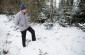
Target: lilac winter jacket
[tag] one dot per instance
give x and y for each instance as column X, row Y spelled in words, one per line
column 21, row 21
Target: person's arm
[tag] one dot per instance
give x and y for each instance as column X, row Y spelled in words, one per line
column 17, row 19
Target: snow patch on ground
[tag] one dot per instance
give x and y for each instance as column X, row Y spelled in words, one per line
column 56, row 41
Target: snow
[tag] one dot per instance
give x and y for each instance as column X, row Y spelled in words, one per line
column 55, row 41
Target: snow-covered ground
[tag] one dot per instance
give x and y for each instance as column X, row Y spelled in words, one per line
column 56, row 41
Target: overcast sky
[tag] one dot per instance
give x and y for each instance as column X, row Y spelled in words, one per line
column 57, row 3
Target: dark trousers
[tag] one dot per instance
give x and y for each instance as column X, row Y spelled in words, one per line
column 24, row 35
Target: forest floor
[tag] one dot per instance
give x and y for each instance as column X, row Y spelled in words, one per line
column 55, row 41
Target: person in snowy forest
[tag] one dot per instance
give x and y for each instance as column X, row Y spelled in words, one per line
column 22, row 22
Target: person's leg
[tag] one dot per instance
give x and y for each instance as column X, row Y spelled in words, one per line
column 32, row 33
column 23, row 38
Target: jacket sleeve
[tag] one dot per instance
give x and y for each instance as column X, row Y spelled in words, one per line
column 17, row 19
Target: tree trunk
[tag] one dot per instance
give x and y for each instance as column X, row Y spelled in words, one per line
column 51, row 13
